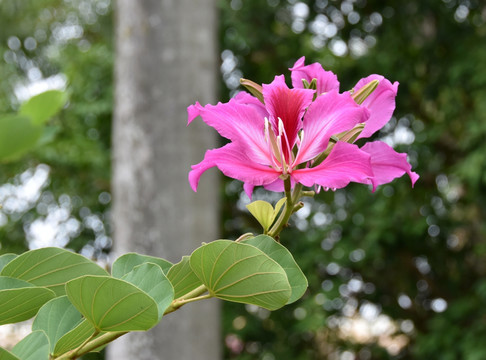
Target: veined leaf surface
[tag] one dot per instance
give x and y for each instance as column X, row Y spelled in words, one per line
column 34, row 346
column 72, row 339
column 279, row 253
column 5, row 259
column 150, row 278
column 241, row 273
column 182, row 277
column 7, row 355
column 20, row 300
column 112, row 304
column 56, row 318
column 50, row 267
column 125, row 263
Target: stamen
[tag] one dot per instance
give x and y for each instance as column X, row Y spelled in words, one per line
column 279, row 144
column 282, row 133
column 272, row 146
column 300, row 139
column 267, row 136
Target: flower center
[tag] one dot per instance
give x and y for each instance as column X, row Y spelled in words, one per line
column 280, row 152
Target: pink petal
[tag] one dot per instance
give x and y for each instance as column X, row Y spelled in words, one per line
column 326, row 80
column 242, row 124
column 234, row 163
column 248, row 189
column 331, row 113
column 245, row 98
column 345, row 163
column 278, row 185
column 381, row 103
column 387, row 164
column 193, row 111
column 286, row 104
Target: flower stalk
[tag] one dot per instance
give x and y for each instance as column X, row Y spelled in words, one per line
column 292, row 205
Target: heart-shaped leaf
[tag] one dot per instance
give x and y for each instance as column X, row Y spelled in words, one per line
column 56, row 318
column 125, row 263
column 150, row 278
column 112, row 304
column 241, row 273
column 264, row 212
column 182, row 277
column 34, row 346
column 278, row 252
column 50, row 267
column 20, row 300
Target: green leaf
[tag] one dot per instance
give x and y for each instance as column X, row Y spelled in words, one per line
column 278, row 206
column 125, row 263
column 7, row 355
column 50, row 267
column 241, row 273
column 264, row 212
column 34, row 346
column 75, row 337
column 5, row 259
column 278, row 252
column 150, row 278
column 20, row 300
column 17, row 136
column 112, row 304
column 56, row 318
column 42, row 107
column 182, row 277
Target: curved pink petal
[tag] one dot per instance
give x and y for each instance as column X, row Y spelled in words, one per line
column 345, row 163
column 193, row 111
column 233, row 162
column 278, row 185
column 326, row 80
column 380, row 103
column 331, row 113
column 248, row 188
column 247, row 99
column 286, row 104
column 242, row 124
column 387, row 164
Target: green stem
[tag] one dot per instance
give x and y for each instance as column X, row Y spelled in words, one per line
column 290, row 208
column 91, row 345
column 75, row 352
column 193, row 295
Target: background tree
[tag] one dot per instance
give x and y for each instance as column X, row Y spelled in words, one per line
column 166, row 59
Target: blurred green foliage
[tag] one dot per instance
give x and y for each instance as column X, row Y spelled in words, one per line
column 60, row 191
column 410, row 261
column 404, row 263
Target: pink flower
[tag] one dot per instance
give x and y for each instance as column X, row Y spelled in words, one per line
column 279, row 139
column 386, row 163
